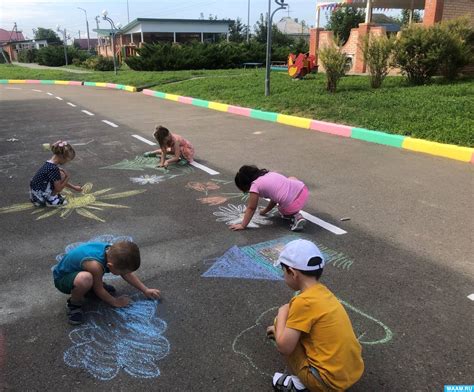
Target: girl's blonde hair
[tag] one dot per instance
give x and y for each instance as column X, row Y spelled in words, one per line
column 160, row 134
column 63, row 149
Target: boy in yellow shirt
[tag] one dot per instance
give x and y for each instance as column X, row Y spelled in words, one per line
column 313, row 331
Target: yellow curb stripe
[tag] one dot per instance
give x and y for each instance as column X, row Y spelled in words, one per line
column 444, row 150
column 222, row 107
column 15, row 81
column 294, row 121
column 172, row 97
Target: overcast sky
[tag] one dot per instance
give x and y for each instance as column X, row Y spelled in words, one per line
column 50, row 13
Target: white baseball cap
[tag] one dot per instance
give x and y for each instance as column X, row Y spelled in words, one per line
column 296, row 254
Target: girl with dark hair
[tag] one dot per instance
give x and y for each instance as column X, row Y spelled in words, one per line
column 289, row 193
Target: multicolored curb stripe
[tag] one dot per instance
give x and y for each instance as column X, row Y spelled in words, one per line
column 70, row 83
column 464, row 154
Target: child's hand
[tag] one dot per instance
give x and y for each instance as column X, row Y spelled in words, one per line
column 77, row 188
column 152, row 293
column 122, row 301
column 263, row 211
column 271, row 332
column 237, row 227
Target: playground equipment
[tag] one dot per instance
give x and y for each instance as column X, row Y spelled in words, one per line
column 301, row 65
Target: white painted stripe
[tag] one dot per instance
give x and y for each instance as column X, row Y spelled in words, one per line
column 87, row 112
column 38, row 91
column 50, row 93
column 471, row 297
column 12, row 88
column 144, row 140
column 71, row 104
column 325, row 225
column 59, row 98
column 110, row 123
column 204, row 168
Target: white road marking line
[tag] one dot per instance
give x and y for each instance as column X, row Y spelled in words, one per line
column 471, row 297
column 144, row 140
column 194, row 163
column 12, row 88
column 59, row 98
column 50, row 93
column 87, row 112
column 204, row 168
column 38, row 91
column 71, row 104
column 110, row 123
column 325, row 225
column 257, row 133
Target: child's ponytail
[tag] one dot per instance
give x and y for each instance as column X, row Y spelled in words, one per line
column 63, row 149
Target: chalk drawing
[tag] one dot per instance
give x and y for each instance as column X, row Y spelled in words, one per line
column 114, row 339
column 224, row 182
column 202, row 186
column 141, row 163
column 256, row 261
column 81, row 203
column 107, row 238
column 153, row 179
column 222, row 198
column 233, row 214
column 6, row 164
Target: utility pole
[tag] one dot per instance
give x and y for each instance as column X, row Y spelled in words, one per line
column 87, row 26
column 248, row 22
column 58, row 28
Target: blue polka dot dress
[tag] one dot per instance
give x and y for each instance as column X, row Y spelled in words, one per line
column 42, row 184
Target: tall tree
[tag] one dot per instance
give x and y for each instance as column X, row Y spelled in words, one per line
column 342, row 20
column 237, row 31
column 47, row 34
column 404, row 18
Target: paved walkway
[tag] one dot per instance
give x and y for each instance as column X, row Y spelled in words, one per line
column 37, row 66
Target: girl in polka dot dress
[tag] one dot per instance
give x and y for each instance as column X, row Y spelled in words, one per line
column 50, row 179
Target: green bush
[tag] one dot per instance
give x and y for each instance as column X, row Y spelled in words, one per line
column 99, row 63
column 2, row 59
column 377, row 51
column 52, row 56
column 27, row 55
column 334, row 63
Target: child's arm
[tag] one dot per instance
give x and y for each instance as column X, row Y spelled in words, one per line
column 163, row 157
column 268, row 208
column 97, row 272
column 249, row 211
column 64, row 183
column 177, row 154
column 133, row 279
column 286, row 338
column 76, row 188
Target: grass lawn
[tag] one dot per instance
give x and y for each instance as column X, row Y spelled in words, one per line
column 439, row 112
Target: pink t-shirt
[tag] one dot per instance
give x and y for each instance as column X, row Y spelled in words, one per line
column 278, row 188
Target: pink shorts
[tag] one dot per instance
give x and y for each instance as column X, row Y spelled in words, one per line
column 297, row 204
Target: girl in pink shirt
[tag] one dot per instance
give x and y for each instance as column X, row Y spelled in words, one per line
column 174, row 144
column 289, row 193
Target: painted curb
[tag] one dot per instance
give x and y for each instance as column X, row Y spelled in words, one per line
column 465, row 154
column 115, row 86
column 378, row 137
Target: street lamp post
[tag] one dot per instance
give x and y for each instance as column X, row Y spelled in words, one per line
column 282, row 5
column 87, row 25
column 58, row 29
column 105, row 17
column 248, row 22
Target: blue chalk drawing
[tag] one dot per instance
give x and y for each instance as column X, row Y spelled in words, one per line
column 129, row 339
column 108, row 238
column 256, row 261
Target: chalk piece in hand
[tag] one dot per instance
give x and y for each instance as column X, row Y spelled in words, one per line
column 345, row 219
column 46, row 146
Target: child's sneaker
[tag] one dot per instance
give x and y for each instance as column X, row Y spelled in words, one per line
column 298, row 222
column 287, row 383
column 56, row 201
column 74, row 313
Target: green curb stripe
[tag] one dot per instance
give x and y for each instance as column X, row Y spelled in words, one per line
column 378, row 137
column 120, row 86
column 3, row 81
column 47, row 81
column 267, row 116
column 159, row 94
column 200, row 102
column 89, row 84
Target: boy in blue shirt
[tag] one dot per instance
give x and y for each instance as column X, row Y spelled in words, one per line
column 81, row 270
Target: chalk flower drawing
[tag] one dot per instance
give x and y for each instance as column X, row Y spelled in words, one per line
column 153, row 179
column 141, row 163
column 202, row 186
column 81, row 203
column 213, row 200
column 129, row 339
column 233, row 214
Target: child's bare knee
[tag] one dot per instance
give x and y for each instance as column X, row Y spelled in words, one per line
column 84, row 279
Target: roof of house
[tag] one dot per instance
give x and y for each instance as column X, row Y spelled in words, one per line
column 137, row 21
column 15, row 36
column 290, row 26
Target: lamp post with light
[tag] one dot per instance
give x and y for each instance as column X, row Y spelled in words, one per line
column 87, row 25
column 114, row 29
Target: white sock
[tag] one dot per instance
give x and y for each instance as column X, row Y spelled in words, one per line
column 296, row 381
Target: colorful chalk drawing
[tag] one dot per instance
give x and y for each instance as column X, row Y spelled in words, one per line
column 222, row 198
column 107, row 238
column 245, row 342
column 256, row 261
column 81, row 203
column 153, row 179
column 140, row 163
column 202, row 186
column 233, row 214
column 114, row 339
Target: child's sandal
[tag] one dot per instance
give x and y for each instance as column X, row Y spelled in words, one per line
column 279, row 385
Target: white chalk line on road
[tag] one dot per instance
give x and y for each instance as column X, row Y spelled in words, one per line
column 208, row 170
column 110, row 123
column 59, row 98
column 87, row 112
column 71, row 104
column 471, row 297
column 50, row 93
column 12, row 88
column 36, row 91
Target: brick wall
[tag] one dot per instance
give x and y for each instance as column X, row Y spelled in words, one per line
column 456, row 8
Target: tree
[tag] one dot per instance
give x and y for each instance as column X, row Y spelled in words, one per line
column 260, row 35
column 404, row 18
column 237, row 31
column 343, row 20
column 49, row 35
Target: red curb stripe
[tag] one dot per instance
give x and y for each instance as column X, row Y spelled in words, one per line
column 332, row 128
column 31, row 81
column 187, row 100
column 239, row 110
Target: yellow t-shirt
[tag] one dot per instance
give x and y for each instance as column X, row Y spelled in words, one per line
column 327, row 336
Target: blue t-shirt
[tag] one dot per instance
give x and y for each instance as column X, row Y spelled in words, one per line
column 72, row 261
column 45, row 177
